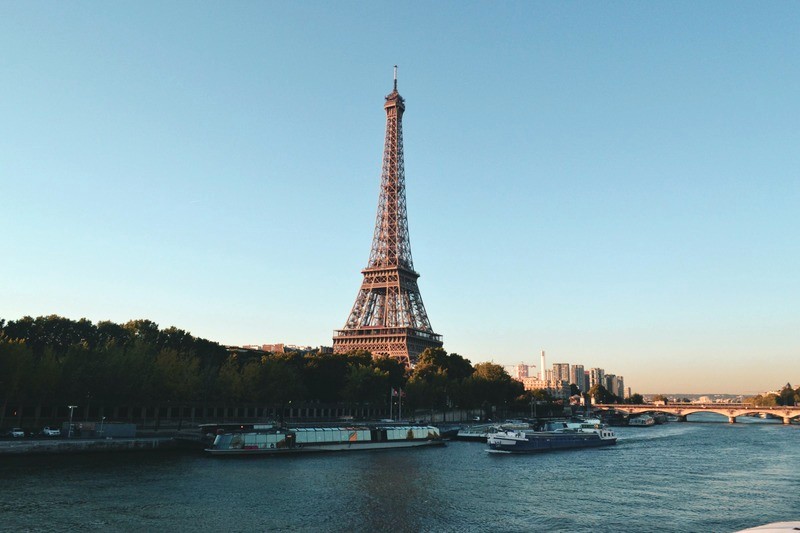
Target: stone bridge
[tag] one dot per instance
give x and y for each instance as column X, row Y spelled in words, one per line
column 681, row 410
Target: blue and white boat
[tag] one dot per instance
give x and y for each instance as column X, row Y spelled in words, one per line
column 512, row 441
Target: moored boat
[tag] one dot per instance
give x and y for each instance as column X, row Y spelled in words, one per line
column 541, row 441
column 279, row 441
column 480, row 432
column 476, row 433
column 642, row 421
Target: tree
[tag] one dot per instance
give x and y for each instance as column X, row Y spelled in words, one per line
column 427, row 389
column 16, row 365
column 492, row 384
column 395, row 370
column 660, row 398
column 767, row 400
column 282, row 380
column 601, row 395
column 787, row 395
column 434, row 360
column 325, row 376
column 178, row 376
column 635, row 399
column 143, row 329
column 365, row 384
column 229, row 382
column 439, row 380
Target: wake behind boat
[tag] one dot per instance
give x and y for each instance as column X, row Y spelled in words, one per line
column 586, row 436
column 279, row 441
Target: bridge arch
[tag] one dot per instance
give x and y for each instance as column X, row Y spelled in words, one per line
column 731, row 411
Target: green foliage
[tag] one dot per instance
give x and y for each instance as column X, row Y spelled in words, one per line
column 601, row 395
column 491, row 383
column 787, row 395
column 635, row 399
column 55, row 361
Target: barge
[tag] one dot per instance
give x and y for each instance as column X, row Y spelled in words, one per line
column 542, row 441
column 281, row 441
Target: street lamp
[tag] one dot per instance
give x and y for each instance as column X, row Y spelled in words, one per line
column 102, row 423
column 69, row 430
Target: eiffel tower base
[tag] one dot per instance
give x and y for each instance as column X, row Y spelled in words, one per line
column 403, row 344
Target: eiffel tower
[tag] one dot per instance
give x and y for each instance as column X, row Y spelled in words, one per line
column 388, row 317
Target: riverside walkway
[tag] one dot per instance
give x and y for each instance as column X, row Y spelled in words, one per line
column 731, row 410
column 77, row 445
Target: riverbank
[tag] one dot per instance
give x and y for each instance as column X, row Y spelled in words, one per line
column 70, row 446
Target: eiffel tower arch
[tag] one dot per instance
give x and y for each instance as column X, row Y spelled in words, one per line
column 388, row 317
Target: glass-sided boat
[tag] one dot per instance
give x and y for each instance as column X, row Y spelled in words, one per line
column 276, row 441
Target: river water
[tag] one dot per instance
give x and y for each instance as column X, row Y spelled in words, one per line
column 681, row 477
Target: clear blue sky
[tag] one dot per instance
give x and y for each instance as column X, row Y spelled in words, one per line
column 616, row 183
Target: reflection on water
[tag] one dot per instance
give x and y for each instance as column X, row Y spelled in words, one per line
column 675, row 477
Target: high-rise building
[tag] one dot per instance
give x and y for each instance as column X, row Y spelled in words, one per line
column 561, row 371
column 388, row 317
column 542, row 371
column 520, row 371
column 596, row 377
column 576, row 376
column 615, row 385
column 620, row 387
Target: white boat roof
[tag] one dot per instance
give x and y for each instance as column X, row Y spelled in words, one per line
column 776, row 527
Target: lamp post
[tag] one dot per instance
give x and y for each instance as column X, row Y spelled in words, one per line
column 102, row 423
column 69, row 429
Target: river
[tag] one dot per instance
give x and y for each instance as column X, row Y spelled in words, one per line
column 679, row 477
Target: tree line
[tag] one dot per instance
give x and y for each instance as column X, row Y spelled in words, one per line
column 55, row 361
column 786, row 396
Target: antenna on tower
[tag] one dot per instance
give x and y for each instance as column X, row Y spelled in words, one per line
column 395, row 77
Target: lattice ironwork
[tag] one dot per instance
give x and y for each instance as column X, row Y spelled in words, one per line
column 388, row 317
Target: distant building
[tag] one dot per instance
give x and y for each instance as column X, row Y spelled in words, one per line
column 520, row 371
column 608, row 382
column 615, row 385
column 597, row 377
column 274, row 348
column 558, row 389
column 281, row 348
column 561, row 371
column 577, row 376
column 567, row 373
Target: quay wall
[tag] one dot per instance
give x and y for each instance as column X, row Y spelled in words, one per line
column 67, row 446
